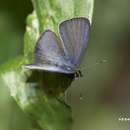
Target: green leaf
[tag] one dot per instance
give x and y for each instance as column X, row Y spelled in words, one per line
column 31, row 35
column 40, row 94
column 51, row 12
column 48, row 109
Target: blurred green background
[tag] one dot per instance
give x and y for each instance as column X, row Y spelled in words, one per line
column 103, row 94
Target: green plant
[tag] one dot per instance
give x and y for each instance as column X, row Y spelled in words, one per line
column 41, row 94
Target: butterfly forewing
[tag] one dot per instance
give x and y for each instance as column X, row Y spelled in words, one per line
column 75, row 34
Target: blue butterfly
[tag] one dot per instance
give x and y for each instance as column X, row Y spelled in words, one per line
column 62, row 54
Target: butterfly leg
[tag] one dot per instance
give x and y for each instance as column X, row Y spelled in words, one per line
column 78, row 74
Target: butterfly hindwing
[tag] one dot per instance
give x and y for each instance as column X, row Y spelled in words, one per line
column 50, row 55
column 49, row 49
